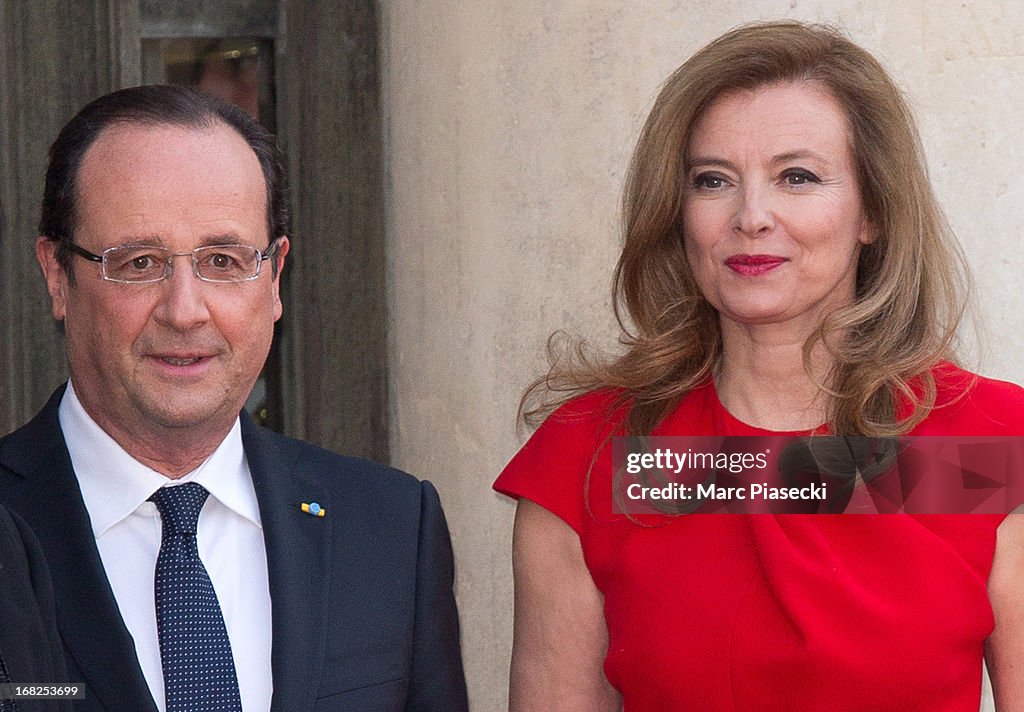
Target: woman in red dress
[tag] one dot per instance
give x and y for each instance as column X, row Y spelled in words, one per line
column 785, row 271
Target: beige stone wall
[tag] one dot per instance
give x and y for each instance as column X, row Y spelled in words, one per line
column 508, row 125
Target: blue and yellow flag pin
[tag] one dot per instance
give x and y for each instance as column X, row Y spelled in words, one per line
column 314, row 509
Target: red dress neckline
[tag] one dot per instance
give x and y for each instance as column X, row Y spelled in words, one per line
column 723, row 422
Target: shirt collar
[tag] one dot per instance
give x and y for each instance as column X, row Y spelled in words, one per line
column 114, row 484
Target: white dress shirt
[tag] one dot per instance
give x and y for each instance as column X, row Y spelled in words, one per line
column 116, row 489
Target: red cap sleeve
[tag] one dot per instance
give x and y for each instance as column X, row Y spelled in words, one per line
column 552, row 467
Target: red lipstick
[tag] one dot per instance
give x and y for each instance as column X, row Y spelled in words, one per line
column 753, row 265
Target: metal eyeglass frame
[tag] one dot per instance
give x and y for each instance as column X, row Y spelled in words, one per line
column 264, row 255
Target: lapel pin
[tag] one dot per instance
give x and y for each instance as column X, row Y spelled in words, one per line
column 314, row 509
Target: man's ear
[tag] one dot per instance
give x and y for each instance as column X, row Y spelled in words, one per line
column 282, row 250
column 53, row 273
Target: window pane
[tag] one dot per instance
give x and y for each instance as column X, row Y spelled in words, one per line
column 237, row 69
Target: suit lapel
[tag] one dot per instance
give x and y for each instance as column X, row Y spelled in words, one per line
column 49, row 499
column 298, row 565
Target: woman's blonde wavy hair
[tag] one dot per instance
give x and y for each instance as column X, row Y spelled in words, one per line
column 911, row 281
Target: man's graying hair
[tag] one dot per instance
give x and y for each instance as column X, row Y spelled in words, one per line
column 150, row 106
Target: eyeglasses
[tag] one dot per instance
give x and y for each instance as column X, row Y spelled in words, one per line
column 140, row 264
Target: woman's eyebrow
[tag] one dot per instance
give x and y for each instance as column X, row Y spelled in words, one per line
column 799, row 155
column 785, row 157
column 709, row 162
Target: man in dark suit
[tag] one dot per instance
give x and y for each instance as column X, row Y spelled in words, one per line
column 200, row 562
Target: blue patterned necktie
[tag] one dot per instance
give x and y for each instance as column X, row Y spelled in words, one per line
column 199, row 672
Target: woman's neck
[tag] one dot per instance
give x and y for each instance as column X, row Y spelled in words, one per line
column 762, row 380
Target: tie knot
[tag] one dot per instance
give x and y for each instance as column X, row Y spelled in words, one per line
column 179, row 507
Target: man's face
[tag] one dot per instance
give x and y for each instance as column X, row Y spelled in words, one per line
column 181, row 354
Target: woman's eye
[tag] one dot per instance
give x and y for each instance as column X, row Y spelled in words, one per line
column 709, row 181
column 800, row 178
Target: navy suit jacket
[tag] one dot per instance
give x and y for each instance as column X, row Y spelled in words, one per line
column 363, row 611
column 30, row 650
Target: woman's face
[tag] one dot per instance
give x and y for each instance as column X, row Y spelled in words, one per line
column 773, row 216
